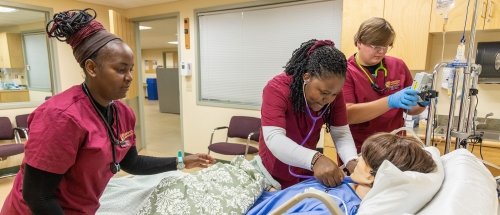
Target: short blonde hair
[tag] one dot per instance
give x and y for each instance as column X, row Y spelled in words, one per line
column 375, row 31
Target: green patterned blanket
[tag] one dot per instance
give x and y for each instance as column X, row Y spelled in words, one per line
column 219, row 189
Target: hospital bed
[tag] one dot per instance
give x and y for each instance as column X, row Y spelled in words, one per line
column 468, row 188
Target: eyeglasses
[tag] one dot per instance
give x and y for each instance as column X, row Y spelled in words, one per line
column 381, row 48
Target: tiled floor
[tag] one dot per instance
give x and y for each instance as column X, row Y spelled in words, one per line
column 163, row 131
column 162, row 137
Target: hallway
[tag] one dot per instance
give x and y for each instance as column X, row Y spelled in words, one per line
column 163, row 131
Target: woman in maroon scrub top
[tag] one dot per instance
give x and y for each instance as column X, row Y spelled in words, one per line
column 376, row 89
column 81, row 137
column 295, row 105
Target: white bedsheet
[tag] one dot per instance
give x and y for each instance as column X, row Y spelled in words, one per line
column 468, row 187
column 124, row 195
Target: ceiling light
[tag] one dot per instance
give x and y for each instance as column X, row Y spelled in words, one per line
column 173, row 42
column 142, row 27
column 6, row 9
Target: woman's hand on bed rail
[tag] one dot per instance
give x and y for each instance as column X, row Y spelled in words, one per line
column 198, row 160
column 327, row 172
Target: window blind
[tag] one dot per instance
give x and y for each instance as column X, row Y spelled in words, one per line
column 242, row 49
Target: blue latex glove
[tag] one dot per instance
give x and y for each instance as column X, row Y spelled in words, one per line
column 405, row 98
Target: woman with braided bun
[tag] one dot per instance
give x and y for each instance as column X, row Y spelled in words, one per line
column 295, row 105
column 83, row 136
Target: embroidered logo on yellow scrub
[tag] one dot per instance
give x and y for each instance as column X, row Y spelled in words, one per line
column 393, row 85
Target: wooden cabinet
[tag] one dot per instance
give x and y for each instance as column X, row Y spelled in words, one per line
column 354, row 12
column 491, row 15
column 410, row 20
column 11, row 51
column 456, row 17
column 14, row 96
column 488, row 16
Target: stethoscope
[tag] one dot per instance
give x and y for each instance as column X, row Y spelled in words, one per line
column 114, row 166
column 347, row 180
column 314, row 120
column 374, row 85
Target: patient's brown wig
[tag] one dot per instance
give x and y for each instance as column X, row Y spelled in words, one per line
column 406, row 153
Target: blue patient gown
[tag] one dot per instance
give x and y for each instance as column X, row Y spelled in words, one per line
column 269, row 201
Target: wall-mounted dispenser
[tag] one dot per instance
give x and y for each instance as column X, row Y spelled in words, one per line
column 185, row 68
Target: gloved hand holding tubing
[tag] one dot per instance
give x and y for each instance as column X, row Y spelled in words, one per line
column 405, row 98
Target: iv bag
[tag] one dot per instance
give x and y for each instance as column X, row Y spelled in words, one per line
column 444, row 6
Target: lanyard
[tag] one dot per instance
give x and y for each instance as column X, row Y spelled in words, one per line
column 314, row 120
column 374, row 85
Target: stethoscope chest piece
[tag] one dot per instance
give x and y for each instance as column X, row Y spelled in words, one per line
column 114, row 167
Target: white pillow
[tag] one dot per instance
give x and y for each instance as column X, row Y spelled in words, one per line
column 468, row 187
column 397, row 192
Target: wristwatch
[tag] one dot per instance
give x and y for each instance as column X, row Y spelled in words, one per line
column 180, row 160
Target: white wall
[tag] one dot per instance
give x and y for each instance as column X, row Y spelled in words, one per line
column 197, row 121
column 38, row 95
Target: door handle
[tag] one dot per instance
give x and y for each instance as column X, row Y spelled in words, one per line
column 483, row 13
column 490, row 9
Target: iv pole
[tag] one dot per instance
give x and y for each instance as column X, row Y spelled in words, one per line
column 464, row 128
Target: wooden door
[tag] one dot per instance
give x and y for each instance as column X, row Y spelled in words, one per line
column 124, row 28
column 4, row 51
column 410, row 20
column 11, row 51
column 15, row 50
column 353, row 14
